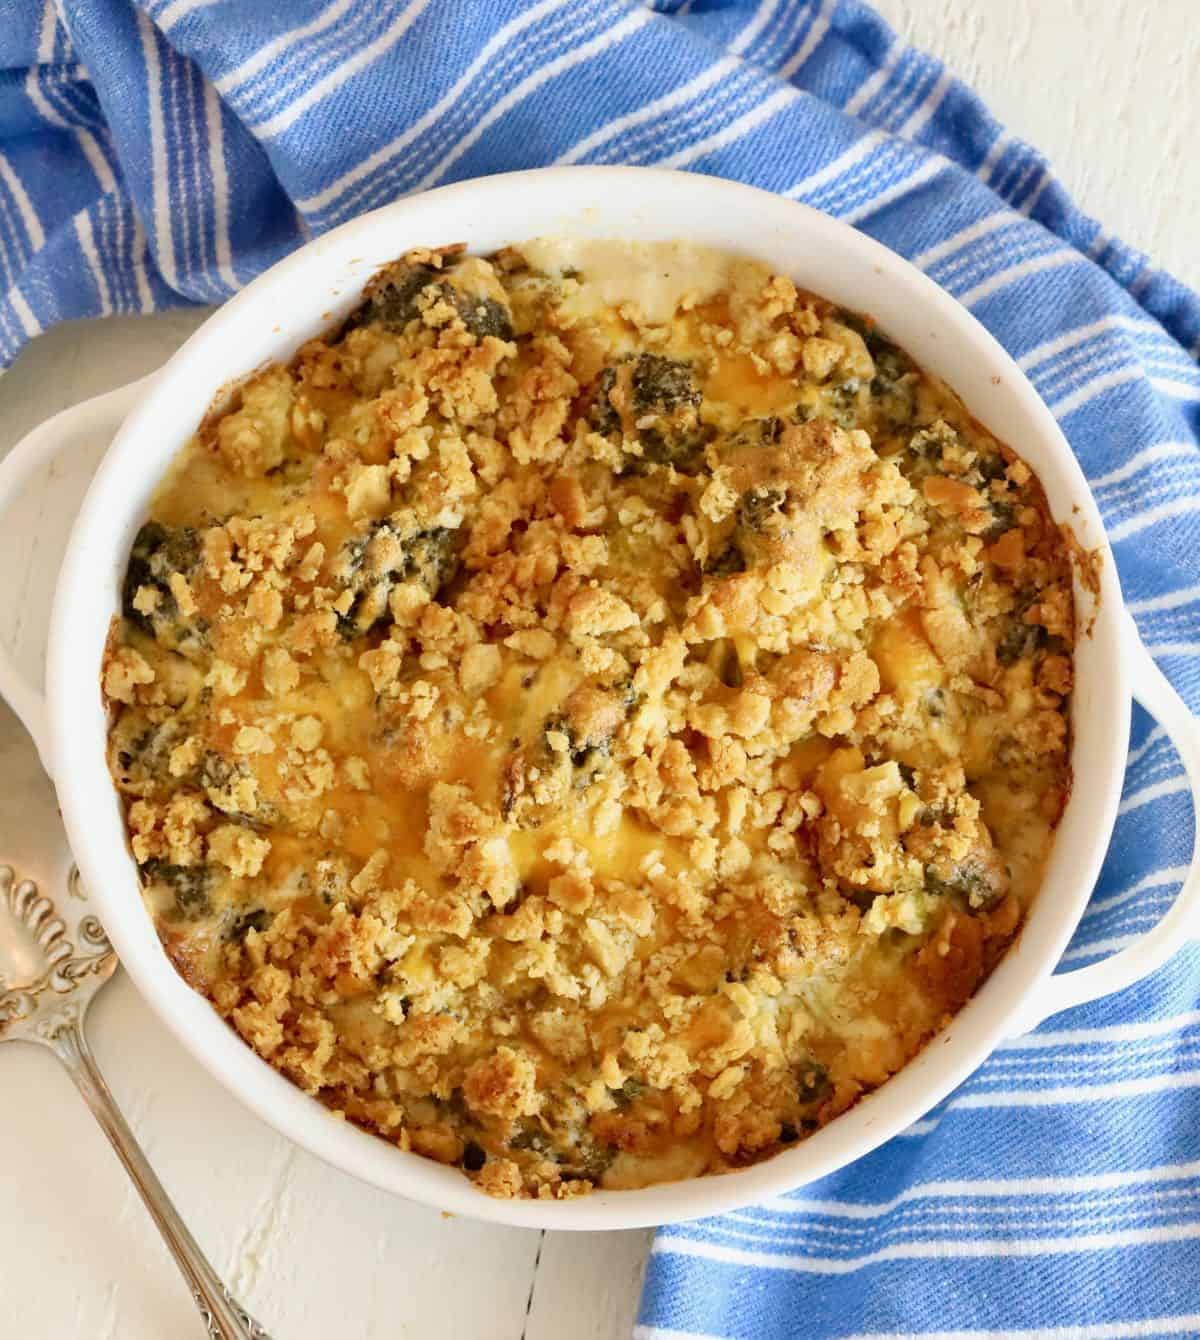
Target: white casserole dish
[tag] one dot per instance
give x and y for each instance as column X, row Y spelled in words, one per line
column 303, row 295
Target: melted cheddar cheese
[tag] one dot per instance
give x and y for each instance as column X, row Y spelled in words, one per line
column 593, row 715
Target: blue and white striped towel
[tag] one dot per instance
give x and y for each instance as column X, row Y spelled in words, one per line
column 167, row 151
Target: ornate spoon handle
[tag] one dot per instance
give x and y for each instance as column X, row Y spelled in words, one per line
column 225, row 1318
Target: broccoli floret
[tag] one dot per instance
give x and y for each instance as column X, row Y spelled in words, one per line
column 257, row 920
column 216, row 774
column 535, row 1138
column 894, row 385
column 370, row 565
column 812, row 1082
column 393, row 303
column 572, row 750
column 662, row 384
column 892, row 364
column 631, row 1089
column 844, row 398
column 1004, row 516
column 970, row 880
column 587, row 1159
column 923, row 453
column 589, row 735
column 158, row 552
column 660, row 387
column 594, row 1161
column 681, row 448
column 484, row 316
column 142, row 757
column 755, row 511
column 1020, row 639
column 396, row 301
column 431, row 557
column 729, row 561
column 758, row 506
column 757, row 432
column 190, row 885
column 992, row 466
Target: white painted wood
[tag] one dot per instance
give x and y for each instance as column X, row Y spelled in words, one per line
column 587, row 1285
column 1108, row 90
column 313, row 1253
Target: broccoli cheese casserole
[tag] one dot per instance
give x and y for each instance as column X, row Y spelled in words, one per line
column 593, row 715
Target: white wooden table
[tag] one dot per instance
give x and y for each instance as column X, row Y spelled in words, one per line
column 311, row 1252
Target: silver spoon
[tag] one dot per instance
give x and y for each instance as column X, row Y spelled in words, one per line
column 53, row 960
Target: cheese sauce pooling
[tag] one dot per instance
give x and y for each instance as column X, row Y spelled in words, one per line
column 595, row 714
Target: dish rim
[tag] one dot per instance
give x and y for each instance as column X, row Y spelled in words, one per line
column 582, row 199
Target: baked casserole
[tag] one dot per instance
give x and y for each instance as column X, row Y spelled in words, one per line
column 594, row 714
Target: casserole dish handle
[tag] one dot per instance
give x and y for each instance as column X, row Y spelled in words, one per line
column 1181, row 922
column 78, row 426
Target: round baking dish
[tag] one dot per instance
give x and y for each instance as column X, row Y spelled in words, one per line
column 303, row 295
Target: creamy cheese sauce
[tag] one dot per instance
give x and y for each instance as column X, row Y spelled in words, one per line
column 657, row 278
column 595, row 714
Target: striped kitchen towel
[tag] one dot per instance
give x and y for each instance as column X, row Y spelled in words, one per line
column 166, row 151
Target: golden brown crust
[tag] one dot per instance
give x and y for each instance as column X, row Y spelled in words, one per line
column 586, row 749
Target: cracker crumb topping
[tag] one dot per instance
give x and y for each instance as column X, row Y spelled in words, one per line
column 589, row 737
